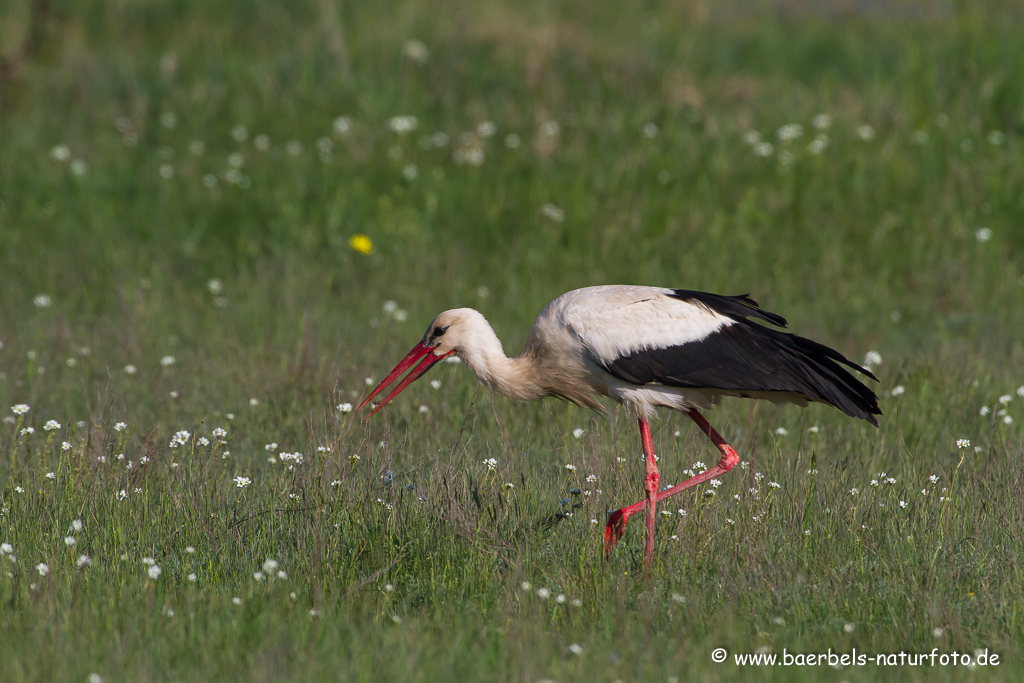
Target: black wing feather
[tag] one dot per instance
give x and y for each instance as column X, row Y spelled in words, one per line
column 749, row 357
column 736, row 307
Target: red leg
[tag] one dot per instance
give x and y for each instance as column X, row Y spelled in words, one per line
column 617, row 520
column 650, row 488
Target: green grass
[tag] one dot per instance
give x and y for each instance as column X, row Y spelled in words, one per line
column 110, row 208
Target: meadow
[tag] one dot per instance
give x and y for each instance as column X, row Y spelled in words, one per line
column 222, row 223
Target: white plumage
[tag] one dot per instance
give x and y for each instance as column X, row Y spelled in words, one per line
column 616, row 320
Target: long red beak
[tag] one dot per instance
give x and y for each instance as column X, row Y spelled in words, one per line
column 418, row 351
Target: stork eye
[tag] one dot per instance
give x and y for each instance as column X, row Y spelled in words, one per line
column 438, row 331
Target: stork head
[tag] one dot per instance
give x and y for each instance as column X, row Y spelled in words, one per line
column 457, row 331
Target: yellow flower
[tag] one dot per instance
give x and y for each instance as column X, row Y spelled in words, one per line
column 361, row 243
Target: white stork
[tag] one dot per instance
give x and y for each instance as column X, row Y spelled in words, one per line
column 646, row 347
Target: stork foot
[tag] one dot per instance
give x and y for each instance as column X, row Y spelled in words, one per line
column 613, row 531
column 616, row 526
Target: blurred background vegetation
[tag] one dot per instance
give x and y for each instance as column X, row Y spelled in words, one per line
column 159, row 145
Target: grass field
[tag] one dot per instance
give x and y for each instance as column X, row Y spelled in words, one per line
column 186, row 308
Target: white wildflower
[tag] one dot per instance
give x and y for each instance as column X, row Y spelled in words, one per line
column 60, row 153
column 403, row 124
column 818, row 144
column 554, row 213
column 180, row 438
column 342, row 125
column 550, row 128
column 789, row 132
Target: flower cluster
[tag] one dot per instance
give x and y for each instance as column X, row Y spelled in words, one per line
column 180, row 438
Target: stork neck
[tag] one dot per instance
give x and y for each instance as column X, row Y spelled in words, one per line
column 512, row 377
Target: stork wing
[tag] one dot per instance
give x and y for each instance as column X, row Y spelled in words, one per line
column 683, row 338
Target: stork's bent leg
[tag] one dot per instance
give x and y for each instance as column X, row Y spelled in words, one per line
column 729, row 458
column 617, row 520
